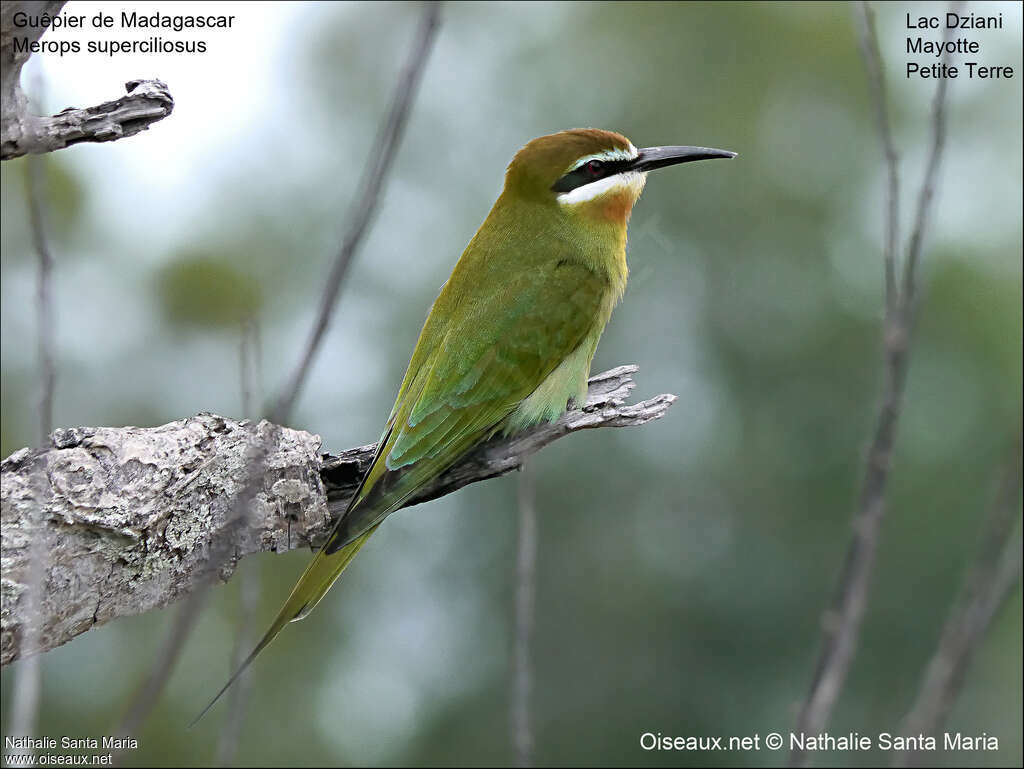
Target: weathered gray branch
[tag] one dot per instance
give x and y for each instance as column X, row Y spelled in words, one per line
column 133, row 514
column 22, row 133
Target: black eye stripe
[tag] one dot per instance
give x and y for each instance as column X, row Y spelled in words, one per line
column 585, row 175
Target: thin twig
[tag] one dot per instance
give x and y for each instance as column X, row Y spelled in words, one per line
column 868, row 40
column 28, row 682
column 378, row 163
column 44, row 295
column 996, row 571
column 843, row 620
column 256, row 347
column 526, row 588
column 928, row 185
column 238, row 696
column 231, row 732
column 145, row 699
column 248, row 357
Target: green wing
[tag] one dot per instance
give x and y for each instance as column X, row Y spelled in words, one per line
column 467, row 374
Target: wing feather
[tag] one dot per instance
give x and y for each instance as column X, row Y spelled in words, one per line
column 496, row 348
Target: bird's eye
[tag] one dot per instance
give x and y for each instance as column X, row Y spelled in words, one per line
column 595, row 167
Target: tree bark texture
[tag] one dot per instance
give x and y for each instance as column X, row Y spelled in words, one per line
column 132, row 517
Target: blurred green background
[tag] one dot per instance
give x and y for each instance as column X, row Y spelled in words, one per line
column 683, row 567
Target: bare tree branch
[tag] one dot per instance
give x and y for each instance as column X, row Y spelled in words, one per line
column 28, row 681
column 868, row 40
column 378, row 163
column 15, row 122
column 145, row 698
column 245, row 633
column 248, row 355
column 221, row 551
column 135, row 512
column 44, row 296
column 238, row 695
column 145, row 102
column 526, row 588
column 22, row 133
column 842, row 622
column 992, row 578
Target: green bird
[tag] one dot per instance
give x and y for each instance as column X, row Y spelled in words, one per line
column 509, row 340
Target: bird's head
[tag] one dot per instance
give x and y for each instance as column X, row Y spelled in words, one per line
column 591, row 172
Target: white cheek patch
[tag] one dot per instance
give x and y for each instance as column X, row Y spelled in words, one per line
column 632, row 181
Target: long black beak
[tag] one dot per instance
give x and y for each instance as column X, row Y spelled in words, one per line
column 659, row 157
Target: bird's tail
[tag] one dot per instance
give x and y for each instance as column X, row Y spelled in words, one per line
column 314, row 583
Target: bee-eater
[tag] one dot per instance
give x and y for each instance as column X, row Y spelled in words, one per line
column 509, row 340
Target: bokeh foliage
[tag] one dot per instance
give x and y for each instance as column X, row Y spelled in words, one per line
column 684, row 566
